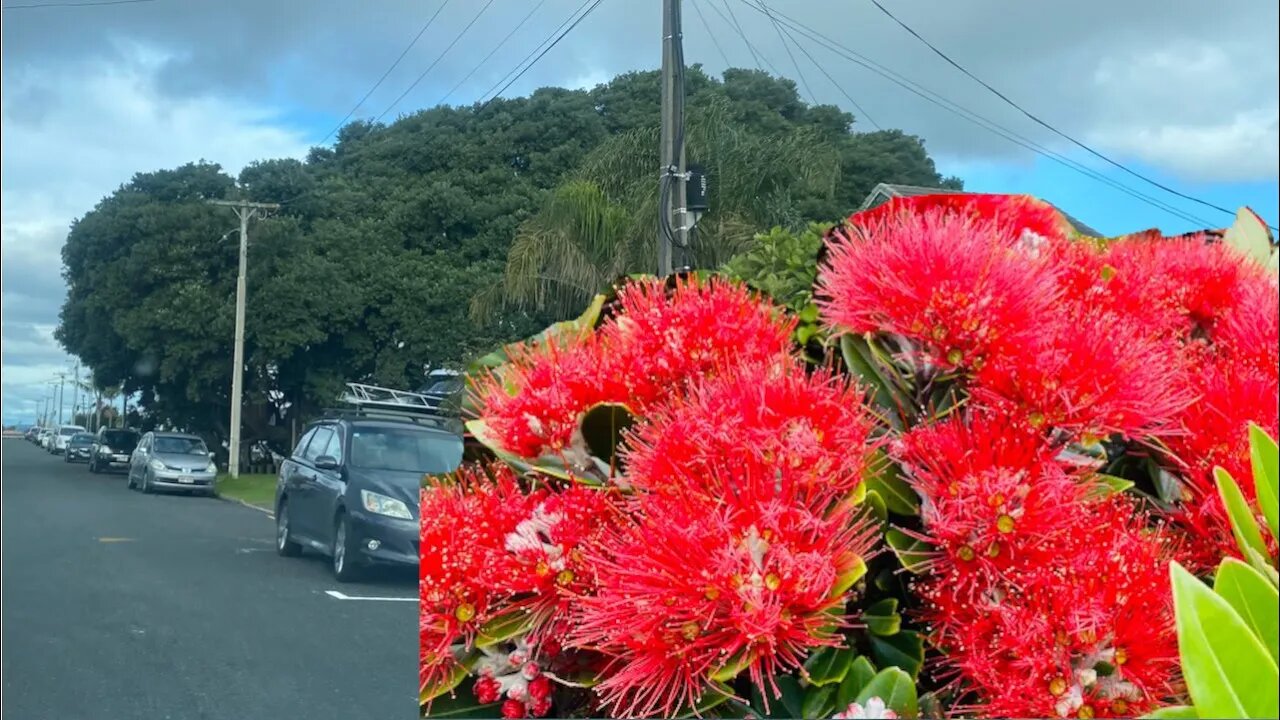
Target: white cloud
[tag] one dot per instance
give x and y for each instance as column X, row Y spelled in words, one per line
column 73, row 133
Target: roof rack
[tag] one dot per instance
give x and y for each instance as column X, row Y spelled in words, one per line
column 374, row 402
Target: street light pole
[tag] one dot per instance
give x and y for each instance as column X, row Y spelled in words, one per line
column 672, row 228
column 245, row 211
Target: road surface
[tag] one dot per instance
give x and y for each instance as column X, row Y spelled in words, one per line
column 122, row 605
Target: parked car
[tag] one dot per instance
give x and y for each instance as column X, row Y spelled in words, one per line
column 349, row 490
column 79, row 448
column 31, row 433
column 58, row 438
column 112, row 448
column 44, row 438
column 172, row 461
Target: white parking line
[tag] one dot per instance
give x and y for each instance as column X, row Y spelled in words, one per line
column 341, row 596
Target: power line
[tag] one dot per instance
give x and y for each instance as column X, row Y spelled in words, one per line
column 535, row 49
column 970, row 116
column 778, row 28
column 707, row 26
column 439, row 57
column 732, row 20
column 378, row 84
column 496, row 48
column 555, row 42
column 861, row 112
column 1034, row 118
column 99, row 3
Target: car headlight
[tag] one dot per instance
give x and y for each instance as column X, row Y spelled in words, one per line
column 213, row 468
column 383, row 505
column 157, row 465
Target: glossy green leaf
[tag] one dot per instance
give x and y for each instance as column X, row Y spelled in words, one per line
column 809, row 314
column 874, row 506
column 860, row 673
column 883, row 478
column 1173, row 712
column 857, row 357
column 912, row 553
column 788, row 704
column 1104, row 486
column 429, row 692
column 819, row 702
column 882, row 618
column 847, row 579
column 828, row 666
column 711, row 698
column 602, row 427
column 734, row 665
column 904, row 650
column 1263, row 565
column 895, row 688
column 503, row 628
column 1243, row 526
column 1224, row 665
column 1266, row 474
column 1254, row 599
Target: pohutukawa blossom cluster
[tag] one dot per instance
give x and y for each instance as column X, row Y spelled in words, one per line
column 969, row 508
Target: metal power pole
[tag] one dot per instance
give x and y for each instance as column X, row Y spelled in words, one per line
column 671, row 188
column 75, row 393
column 62, row 388
column 245, row 211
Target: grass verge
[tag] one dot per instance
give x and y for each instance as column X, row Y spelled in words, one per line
column 259, row 490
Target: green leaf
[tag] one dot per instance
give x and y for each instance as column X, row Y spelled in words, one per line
column 1243, row 526
column 1266, row 474
column 883, row 478
column 428, row 693
column 1260, row 563
column 789, row 704
column 827, row 666
column 1104, row 486
column 1173, row 712
column 860, row 673
column 809, row 314
column 503, row 628
column 857, row 356
column 912, row 553
column 712, row 697
column 818, row 702
column 882, row 618
column 1224, row 665
column 903, row 650
column 602, row 427
column 1249, row 235
column 734, row 665
column 1254, row 598
column 848, row 578
column 895, row 688
column 873, row 505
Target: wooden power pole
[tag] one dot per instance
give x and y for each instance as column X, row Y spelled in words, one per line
column 672, row 231
column 246, row 211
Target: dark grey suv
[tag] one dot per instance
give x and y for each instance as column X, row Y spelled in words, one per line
column 350, row 488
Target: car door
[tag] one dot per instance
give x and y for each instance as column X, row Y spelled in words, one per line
column 292, row 472
column 138, row 460
column 330, row 484
column 308, row 510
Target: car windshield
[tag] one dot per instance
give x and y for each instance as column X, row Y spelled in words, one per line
column 180, row 446
column 404, row 450
column 121, row 440
column 81, row 439
column 69, row 431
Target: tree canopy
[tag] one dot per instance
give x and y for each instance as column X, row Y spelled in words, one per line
column 383, row 243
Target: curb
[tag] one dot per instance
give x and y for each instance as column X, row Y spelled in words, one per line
column 259, row 508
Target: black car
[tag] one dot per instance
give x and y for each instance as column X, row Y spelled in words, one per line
column 79, row 448
column 350, row 488
column 112, row 449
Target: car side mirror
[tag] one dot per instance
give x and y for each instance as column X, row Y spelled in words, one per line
column 327, row 462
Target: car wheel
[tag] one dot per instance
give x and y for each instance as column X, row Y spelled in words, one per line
column 129, row 477
column 146, row 483
column 285, row 545
column 93, row 465
column 345, row 562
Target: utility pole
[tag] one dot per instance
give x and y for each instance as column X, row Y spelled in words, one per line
column 671, row 188
column 62, row 389
column 245, row 210
column 75, row 393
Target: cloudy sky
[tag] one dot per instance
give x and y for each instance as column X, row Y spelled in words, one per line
column 1182, row 92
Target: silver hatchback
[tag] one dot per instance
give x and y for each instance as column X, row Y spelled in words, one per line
column 172, row 461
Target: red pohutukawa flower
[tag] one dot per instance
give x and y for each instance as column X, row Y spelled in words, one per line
column 762, row 423
column 1018, row 217
column 689, row 589
column 951, row 283
column 641, row 357
column 1249, row 331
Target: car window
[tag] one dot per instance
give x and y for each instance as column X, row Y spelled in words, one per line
column 302, row 443
column 180, row 446
column 122, row 440
column 334, row 448
column 405, row 450
column 319, row 442
column 82, row 438
column 69, row 431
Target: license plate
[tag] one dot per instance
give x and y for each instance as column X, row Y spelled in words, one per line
column 186, row 480
column 122, row 458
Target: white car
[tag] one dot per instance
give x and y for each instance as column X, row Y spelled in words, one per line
column 58, row 440
column 44, row 437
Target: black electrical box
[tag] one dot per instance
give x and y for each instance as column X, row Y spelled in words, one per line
column 695, row 190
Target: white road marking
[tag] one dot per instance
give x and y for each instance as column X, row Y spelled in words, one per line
column 246, row 551
column 340, row 596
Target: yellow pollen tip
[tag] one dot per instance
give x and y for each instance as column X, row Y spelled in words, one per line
column 965, row 553
column 541, row 569
column 996, row 500
column 689, row 630
column 711, row 593
column 993, row 550
column 939, row 332
column 465, row 612
column 1004, row 523
column 1057, row 686
column 1119, row 706
column 1121, row 657
column 1107, row 273
column 564, row 577
column 1085, row 712
column 955, row 357
column 772, row 581
column 1089, row 636
column 1037, row 419
column 1061, row 638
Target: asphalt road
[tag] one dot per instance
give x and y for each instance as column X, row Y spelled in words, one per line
column 122, row 605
